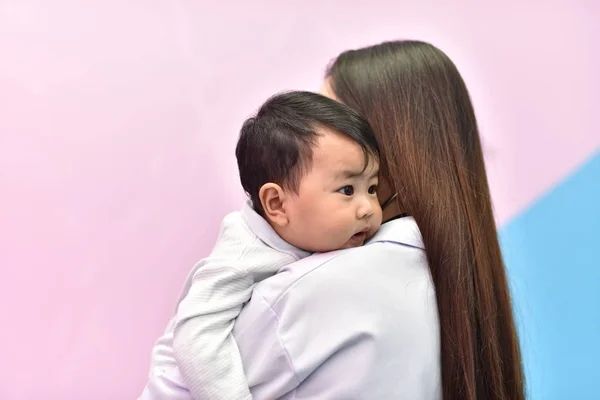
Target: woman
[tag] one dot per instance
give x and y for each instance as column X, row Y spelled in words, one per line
column 367, row 322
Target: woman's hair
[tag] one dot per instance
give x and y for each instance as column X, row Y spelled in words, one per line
column 420, row 110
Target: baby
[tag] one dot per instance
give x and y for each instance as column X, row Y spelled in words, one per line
column 309, row 166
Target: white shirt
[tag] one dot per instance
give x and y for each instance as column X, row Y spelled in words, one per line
column 352, row 324
column 197, row 356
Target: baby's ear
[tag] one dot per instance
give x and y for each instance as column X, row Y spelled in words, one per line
column 272, row 198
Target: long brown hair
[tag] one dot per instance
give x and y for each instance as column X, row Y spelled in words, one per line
column 420, row 109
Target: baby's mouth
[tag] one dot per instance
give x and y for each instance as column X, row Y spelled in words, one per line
column 359, row 237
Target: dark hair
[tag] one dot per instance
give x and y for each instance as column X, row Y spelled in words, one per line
column 419, row 106
column 276, row 145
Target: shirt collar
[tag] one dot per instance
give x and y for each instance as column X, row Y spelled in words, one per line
column 265, row 232
column 402, row 231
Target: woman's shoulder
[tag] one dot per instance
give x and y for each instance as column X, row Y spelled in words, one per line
column 395, row 254
column 363, row 314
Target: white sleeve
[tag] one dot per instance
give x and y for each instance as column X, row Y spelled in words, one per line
column 205, row 350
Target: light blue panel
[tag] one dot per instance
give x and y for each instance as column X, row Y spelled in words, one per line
column 552, row 252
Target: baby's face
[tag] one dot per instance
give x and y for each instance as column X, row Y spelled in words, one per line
column 336, row 205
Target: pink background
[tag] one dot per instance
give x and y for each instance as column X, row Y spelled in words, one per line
column 118, row 121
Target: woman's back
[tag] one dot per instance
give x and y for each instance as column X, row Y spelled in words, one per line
column 359, row 323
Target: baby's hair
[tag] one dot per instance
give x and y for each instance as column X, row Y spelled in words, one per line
column 276, row 145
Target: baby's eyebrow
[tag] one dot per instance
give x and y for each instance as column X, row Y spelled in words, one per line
column 350, row 174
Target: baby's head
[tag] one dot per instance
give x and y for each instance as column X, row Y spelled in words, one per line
column 309, row 165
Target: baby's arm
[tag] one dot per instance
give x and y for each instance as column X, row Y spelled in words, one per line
column 205, row 350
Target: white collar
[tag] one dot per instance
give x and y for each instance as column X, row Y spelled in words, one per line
column 265, row 232
column 402, row 231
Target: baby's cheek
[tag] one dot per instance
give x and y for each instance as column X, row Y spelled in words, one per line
column 378, row 217
column 375, row 224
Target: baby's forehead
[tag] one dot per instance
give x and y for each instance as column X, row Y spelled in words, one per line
column 333, row 145
column 337, row 155
column 343, row 165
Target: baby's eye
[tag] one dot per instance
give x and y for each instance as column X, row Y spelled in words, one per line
column 373, row 189
column 347, row 190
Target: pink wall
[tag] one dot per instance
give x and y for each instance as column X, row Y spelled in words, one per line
column 117, row 126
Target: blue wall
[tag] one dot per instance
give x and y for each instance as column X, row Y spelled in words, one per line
column 552, row 252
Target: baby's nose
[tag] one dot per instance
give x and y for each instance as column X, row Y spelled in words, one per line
column 365, row 209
